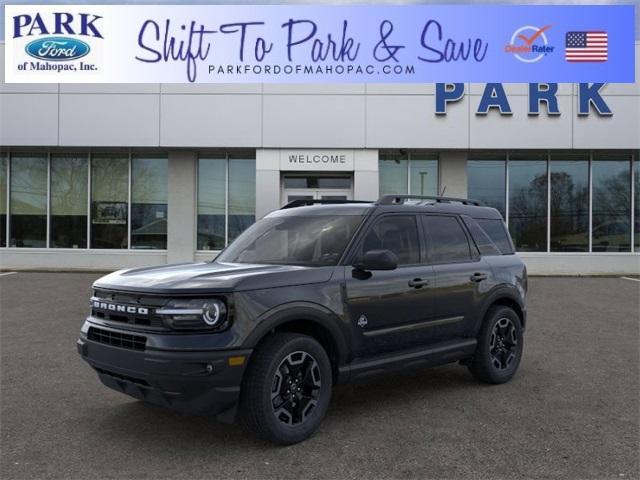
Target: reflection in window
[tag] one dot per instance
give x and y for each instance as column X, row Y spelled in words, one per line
column 242, row 196
column 528, row 203
column 569, row 204
column 28, row 201
column 3, row 200
column 611, row 230
column 109, row 197
column 487, row 182
column 212, row 174
column 393, row 173
column 149, row 195
column 68, row 201
column 423, row 174
column 417, row 171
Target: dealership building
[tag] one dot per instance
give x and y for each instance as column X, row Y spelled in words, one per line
column 104, row 176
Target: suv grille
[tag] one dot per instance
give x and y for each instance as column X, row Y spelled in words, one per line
column 134, row 310
column 117, row 339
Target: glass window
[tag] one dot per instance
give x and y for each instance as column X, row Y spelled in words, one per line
column 528, row 202
column 28, row 201
column 109, row 197
column 212, row 174
column 636, row 189
column 314, row 241
column 497, row 233
column 242, row 196
column 396, row 233
column 446, row 240
column 611, row 181
column 423, row 172
column 487, row 182
column 393, row 171
column 569, row 203
column 481, row 238
column 149, row 194
column 69, row 180
column 3, row 200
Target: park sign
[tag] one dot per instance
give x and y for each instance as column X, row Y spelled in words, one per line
column 319, row 44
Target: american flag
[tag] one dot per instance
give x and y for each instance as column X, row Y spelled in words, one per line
column 586, row 47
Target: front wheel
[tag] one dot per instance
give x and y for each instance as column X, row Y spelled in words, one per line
column 287, row 388
column 500, row 346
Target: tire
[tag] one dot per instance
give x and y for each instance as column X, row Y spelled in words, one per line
column 297, row 369
column 500, row 346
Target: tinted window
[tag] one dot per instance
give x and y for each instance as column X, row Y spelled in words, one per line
column 487, row 182
column 484, row 243
column 69, row 201
column 398, row 234
column 497, row 233
column 528, row 202
column 446, row 241
column 611, row 229
column 569, row 203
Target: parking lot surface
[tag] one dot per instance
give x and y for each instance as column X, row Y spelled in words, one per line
column 572, row 411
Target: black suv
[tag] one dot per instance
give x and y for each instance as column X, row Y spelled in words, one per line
column 311, row 296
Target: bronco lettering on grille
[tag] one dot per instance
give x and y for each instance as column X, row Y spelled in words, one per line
column 114, row 307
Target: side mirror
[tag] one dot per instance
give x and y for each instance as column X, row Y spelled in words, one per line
column 377, row 260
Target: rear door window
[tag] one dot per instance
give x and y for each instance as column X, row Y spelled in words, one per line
column 446, row 240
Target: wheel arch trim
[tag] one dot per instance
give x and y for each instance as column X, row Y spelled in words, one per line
column 313, row 313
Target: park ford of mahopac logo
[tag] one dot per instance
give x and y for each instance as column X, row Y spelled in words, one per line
column 56, row 40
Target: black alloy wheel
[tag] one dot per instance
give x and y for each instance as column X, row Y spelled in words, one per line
column 286, row 389
column 504, row 343
column 296, row 388
column 500, row 346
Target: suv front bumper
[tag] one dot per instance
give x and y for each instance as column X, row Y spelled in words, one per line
column 205, row 382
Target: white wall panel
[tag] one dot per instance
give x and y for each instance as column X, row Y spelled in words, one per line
column 212, row 88
column 210, row 120
column 313, row 121
column 109, row 120
column 122, row 88
column 620, row 130
column 314, row 88
column 409, row 121
column 521, row 130
column 28, row 119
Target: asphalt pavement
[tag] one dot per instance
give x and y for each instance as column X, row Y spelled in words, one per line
column 572, row 411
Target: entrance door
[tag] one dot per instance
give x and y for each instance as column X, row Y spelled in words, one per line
column 316, row 188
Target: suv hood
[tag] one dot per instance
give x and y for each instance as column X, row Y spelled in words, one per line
column 185, row 278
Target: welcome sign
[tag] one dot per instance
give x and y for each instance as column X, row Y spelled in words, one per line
column 327, row 44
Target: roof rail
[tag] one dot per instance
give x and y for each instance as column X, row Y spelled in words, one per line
column 400, row 199
column 301, row 202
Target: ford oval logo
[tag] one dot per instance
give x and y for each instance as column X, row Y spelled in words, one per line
column 57, row 49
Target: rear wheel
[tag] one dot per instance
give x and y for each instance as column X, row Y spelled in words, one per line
column 500, row 346
column 287, row 388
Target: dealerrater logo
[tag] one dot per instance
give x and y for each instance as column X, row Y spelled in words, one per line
column 57, row 40
column 529, row 44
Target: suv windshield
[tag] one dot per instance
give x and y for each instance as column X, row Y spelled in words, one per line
column 317, row 240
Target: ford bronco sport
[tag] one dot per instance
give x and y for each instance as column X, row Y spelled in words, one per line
column 310, row 296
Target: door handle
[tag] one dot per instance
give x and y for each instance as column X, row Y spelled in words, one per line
column 478, row 277
column 418, row 283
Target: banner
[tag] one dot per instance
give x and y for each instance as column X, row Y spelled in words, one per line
column 323, row 44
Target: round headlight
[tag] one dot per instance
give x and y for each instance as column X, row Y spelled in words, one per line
column 213, row 312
